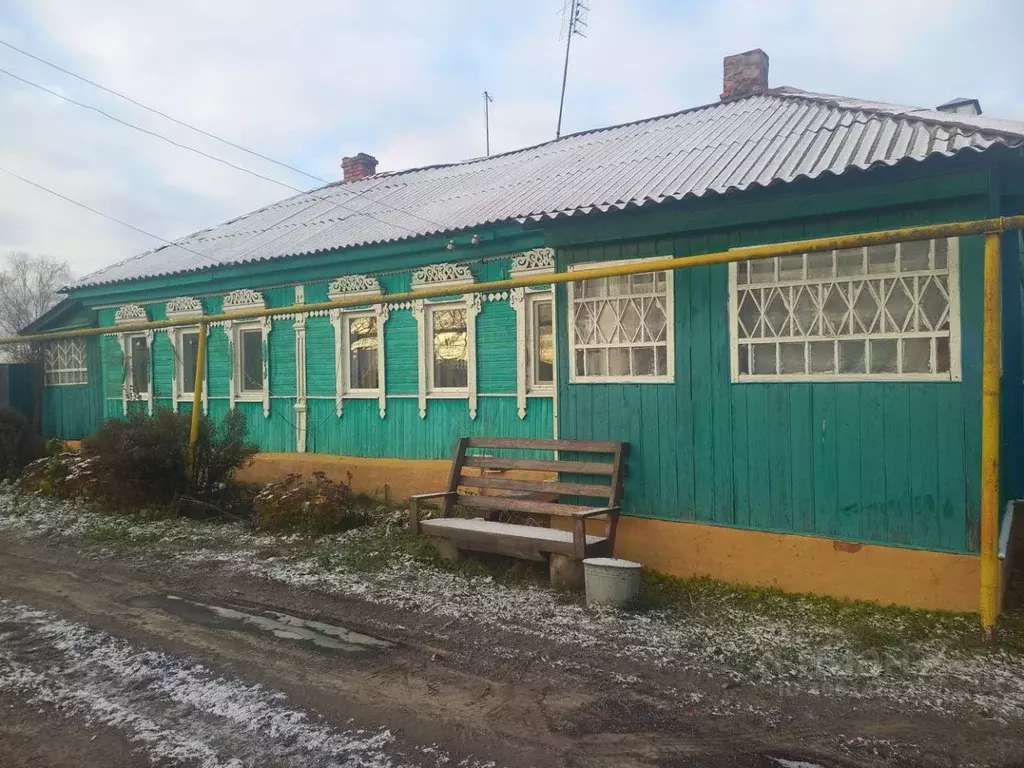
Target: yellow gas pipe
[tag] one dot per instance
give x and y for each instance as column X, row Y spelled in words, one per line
column 197, row 399
column 990, row 419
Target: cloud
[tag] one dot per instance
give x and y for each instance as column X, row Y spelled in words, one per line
column 312, row 81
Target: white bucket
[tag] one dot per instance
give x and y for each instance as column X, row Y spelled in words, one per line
column 611, row 581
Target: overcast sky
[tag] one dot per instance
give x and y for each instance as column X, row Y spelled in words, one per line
column 308, row 81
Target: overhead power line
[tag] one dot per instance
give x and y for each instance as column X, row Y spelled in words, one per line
column 206, row 133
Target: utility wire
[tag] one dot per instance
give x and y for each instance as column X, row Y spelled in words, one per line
column 200, row 152
column 208, row 134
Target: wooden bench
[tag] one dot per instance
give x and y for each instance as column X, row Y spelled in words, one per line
column 496, row 492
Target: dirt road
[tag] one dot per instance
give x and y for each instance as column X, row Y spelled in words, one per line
column 106, row 664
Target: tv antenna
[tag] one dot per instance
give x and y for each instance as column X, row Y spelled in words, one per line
column 487, row 120
column 574, row 22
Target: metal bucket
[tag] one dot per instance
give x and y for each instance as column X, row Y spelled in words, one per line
column 611, row 581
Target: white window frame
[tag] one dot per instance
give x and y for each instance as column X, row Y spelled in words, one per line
column 237, row 329
column 50, row 370
column 128, row 392
column 349, row 286
column 244, row 300
column 538, row 261
column 533, row 299
column 953, row 283
column 435, row 276
column 669, row 377
column 176, row 337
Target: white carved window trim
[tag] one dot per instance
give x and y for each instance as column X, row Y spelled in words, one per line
column 538, row 261
column 126, row 315
column 183, row 308
column 349, row 286
column 178, row 393
column 128, row 394
column 436, row 275
column 301, row 409
column 915, row 326
column 65, row 363
column 669, row 376
column 244, row 300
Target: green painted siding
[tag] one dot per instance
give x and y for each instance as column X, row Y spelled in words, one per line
column 74, row 412
column 403, row 434
column 893, row 463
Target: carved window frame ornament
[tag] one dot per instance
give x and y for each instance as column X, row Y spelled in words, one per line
column 245, row 300
column 183, row 308
column 351, row 286
column 539, row 261
column 435, row 276
column 128, row 314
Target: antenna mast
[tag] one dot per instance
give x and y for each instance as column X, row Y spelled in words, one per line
column 574, row 22
column 487, row 120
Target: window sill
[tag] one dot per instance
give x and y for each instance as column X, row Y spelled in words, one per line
column 249, row 397
column 454, row 394
column 365, row 394
column 864, row 378
column 622, row 380
column 541, row 393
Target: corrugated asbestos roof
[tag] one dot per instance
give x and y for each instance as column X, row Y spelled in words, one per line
column 776, row 137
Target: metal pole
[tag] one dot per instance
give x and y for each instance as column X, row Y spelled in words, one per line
column 565, row 69
column 990, row 436
column 197, row 399
column 487, row 121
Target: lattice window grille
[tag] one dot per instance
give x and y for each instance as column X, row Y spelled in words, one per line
column 621, row 328
column 64, row 363
column 879, row 312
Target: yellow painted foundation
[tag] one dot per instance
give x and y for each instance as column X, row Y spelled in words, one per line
column 883, row 574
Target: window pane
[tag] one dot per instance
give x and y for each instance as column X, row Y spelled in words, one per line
column 643, row 361
column 883, row 356
column 251, row 343
column 819, row 265
column 942, row 355
column 851, row 357
column 189, row 355
column 596, row 362
column 791, row 267
column 543, row 343
column 917, row 355
column 618, row 361
column 850, row 262
column 762, row 271
column 362, row 350
column 763, row 356
column 823, row 357
column 881, row 259
column 914, row 255
column 450, row 347
column 792, row 358
column 140, row 365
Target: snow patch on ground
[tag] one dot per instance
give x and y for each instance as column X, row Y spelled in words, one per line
column 177, row 711
column 730, row 646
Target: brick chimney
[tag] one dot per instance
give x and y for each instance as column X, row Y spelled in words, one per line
column 745, row 74
column 358, row 167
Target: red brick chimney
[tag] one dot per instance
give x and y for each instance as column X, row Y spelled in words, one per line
column 358, row 167
column 744, row 74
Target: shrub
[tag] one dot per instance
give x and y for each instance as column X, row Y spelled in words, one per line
column 19, row 443
column 142, row 460
column 313, row 505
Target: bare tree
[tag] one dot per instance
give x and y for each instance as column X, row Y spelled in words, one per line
column 29, row 286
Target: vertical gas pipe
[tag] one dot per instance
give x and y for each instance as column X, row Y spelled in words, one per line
column 990, row 437
column 197, row 399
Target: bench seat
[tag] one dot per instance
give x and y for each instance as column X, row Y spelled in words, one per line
column 525, row 541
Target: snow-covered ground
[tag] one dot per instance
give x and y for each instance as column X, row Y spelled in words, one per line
column 783, row 650
column 178, row 712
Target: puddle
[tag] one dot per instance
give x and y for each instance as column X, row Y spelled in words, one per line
column 317, row 633
column 788, row 763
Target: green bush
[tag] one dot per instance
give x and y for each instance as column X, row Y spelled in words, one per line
column 142, row 460
column 312, row 505
column 19, row 443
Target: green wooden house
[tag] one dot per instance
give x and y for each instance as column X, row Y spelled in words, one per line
column 810, row 421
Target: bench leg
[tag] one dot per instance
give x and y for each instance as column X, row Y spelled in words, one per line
column 445, row 548
column 566, row 572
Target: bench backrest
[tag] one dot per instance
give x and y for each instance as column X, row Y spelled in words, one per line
column 601, row 462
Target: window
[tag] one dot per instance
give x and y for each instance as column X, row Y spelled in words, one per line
column 250, row 360
column 188, row 354
column 540, row 345
column 137, row 366
column 360, row 359
column 448, row 348
column 620, row 328
column 882, row 312
column 64, row 363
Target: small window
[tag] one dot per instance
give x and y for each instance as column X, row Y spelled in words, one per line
column 188, row 355
column 362, row 354
column 540, row 352
column 250, row 350
column 620, row 328
column 448, row 347
column 137, row 367
column 64, row 363
column 881, row 312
